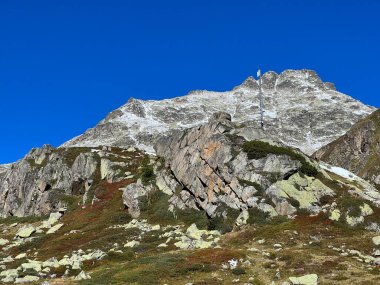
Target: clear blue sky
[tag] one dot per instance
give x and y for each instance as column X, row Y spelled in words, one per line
column 65, row 64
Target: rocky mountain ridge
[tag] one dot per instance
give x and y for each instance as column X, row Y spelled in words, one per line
column 300, row 110
column 358, row 150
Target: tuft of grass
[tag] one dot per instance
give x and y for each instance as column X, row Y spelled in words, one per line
column 257, row 217
column 224, row 225
column 257, row 281
column 152, row 269
column 22, row 220
column 238, row 271
column 256, row 185
column 350, row 204
column 154, row 207
column 147, row 172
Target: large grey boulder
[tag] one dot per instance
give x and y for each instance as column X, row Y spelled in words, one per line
column 131, row 193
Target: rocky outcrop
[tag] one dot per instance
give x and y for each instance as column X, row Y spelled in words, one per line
column 358, row 150
column 306, row 191
column 131, row 193
column 300, row 110
column 45, row 178
column 211, row 169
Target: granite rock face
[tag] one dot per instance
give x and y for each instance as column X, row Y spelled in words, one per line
column 300, row 110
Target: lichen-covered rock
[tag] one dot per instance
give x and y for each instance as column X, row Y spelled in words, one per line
column 306, row 191
column 32, row 265
column 335, row 215
column 194, row 238
column 376, row 240
column 354, row 221
column 26, row 279
column 54, row 228
column 8, row 275
column 26, row 231
column 82, row 276
column 311, row 279
column 111, row 171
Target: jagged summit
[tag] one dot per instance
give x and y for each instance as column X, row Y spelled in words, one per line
column 300, row 110
column 289, row 80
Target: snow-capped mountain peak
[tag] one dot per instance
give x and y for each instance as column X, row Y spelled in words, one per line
column 300, row 110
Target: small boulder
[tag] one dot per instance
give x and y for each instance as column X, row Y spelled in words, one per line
column 53, row 219
column 132, row 243
column 311, row 279
column 20, row 256
column 82, row 276
column 9, row 275
column 354, row 221
column 335, row 215
column 54, row 228
column 376, row 240
column 366, row 210
column 3, row 241
column 26, row 231
column 27, row 279
column 32, row 265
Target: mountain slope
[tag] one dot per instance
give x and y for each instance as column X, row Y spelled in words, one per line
column 300, row 110
column 211, row 208
column 358, row 150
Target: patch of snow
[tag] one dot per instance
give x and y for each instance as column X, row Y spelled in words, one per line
column 340, row 171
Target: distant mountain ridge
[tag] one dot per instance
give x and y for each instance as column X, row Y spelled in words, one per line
column 300, row 110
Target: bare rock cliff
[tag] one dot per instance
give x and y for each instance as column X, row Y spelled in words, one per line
column 358, row 150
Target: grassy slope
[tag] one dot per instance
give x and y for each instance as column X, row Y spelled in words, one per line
column 147, row 264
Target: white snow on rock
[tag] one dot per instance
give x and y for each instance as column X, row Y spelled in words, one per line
column 365, row 189
column 340, row 171
column 300, row 110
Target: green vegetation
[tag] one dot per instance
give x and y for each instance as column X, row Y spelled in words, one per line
column 56, row 196
column 260, row 149
column 154, row 207
column 257, row 282
column 21, row 220
column 238, row 271
column 224, row 225
column 147, row 172
column 71, row 153
column 350, row 204
column 257, row 217
column 148, row 270
column 257, row 186
column 294, row 202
